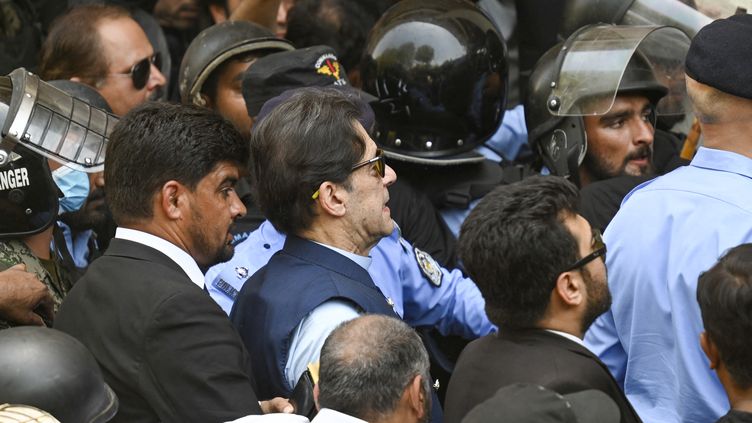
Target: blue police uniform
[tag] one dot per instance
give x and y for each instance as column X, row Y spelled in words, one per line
column 422, row 293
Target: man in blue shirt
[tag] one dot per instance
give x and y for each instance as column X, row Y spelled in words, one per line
column 671, row 229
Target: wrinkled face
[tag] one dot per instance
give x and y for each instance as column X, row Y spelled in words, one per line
column 123, row 45
column 368, row 214
column 228, row 100
column 178, row 14
column 214, row 206
column 619, row 142
column 593, row 273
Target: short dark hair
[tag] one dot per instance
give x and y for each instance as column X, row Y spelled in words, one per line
column 340, row 24
column 367, row 363
column 725, row 296
column 514, row 245
column 73, row 46
column 306, row 140
column 158, row 142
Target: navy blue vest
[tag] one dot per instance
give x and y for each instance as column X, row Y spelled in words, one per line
column 297, row 279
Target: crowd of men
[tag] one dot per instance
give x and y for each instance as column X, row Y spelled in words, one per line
column 375, row 210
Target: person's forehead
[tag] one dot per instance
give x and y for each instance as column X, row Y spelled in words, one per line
column 123, row 41
column 631, row 100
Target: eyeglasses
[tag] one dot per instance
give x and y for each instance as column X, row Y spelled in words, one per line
column 378, row 163
column 599, row 251
column 141, row 71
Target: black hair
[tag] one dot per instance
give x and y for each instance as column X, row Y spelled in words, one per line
column 725, row 296
column 158, row 142
column 306, row 140
column 514, row 244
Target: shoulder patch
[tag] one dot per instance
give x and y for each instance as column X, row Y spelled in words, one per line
column 226, row 288
column 430, row 268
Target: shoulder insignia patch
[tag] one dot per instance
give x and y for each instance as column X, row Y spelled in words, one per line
column 429, row 267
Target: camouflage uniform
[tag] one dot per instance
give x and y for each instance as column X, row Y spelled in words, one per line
column 14, row 251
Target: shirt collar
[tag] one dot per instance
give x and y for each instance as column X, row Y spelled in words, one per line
column 175, row 253
column 362, row 261
column 329, row 415
column 726, row 161
column 568, row 336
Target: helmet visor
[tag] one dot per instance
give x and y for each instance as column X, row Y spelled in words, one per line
column 598, row 62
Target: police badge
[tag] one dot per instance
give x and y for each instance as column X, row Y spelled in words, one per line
column 429, row 267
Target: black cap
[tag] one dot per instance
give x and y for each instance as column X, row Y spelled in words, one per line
column 271, row 75
column 719, row 56
column 366, row 117
column 525, row 403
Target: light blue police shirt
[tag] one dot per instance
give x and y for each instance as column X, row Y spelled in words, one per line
column 666, row 233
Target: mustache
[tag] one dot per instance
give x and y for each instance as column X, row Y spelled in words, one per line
column 643, row 151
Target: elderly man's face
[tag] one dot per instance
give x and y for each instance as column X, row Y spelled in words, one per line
column 369, row 216
column 124, row 44
column 619, row 142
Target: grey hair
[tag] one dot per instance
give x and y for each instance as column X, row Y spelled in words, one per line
column 367, row 363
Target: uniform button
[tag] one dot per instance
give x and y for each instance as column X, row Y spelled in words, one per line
column 267, row 246
column 390, row 302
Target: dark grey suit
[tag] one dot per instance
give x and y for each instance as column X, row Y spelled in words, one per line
column 165, row 347
column 531, row 356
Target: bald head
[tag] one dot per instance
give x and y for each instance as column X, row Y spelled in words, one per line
column 367, row 364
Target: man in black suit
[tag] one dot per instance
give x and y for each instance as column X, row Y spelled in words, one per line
column 540, row 268
column 165, row 347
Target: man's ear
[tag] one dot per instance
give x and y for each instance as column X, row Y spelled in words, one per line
column 416, row 396
column 316, row 396
column 570, row 288
column 710, row 350
column 332, row 199
column 171, row 199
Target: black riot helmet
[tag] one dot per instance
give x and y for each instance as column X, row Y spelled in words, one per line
column 439, row 70
column 51, row 370
column 582, row 77
column 40, row 122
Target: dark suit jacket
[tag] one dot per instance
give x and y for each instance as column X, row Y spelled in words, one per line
column 164, row 346
column 532, row 356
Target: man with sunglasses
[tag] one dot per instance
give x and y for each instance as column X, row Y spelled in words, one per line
column 541, row 269
column 319, row 178
column 102, row 46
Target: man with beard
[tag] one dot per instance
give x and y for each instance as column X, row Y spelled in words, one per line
column 375, row 369
column 167, row 350
column 540, row 268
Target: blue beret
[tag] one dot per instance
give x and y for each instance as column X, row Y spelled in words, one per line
column 721, row 56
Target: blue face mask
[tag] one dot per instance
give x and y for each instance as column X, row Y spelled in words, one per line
column 75, row 188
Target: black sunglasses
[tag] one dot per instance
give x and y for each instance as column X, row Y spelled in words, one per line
column 141, row 71
column 599, row 251
column 378, row 162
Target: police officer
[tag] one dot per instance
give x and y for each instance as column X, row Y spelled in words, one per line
column 439, row 70
column 41, row 122
column 596, row 125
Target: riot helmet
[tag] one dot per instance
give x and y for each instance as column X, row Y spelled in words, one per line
column 18, row 413
column 439, row 71
column 578, row 13
column 51, row 370
column 39, row 122
column 582, row 77
column 214, row 45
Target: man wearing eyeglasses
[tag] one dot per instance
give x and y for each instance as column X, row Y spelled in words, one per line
column 541, row 269
column 102, row 46
column 319, row 178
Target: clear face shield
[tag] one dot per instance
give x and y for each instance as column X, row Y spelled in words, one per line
column 51, row 123
column 598, row 62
